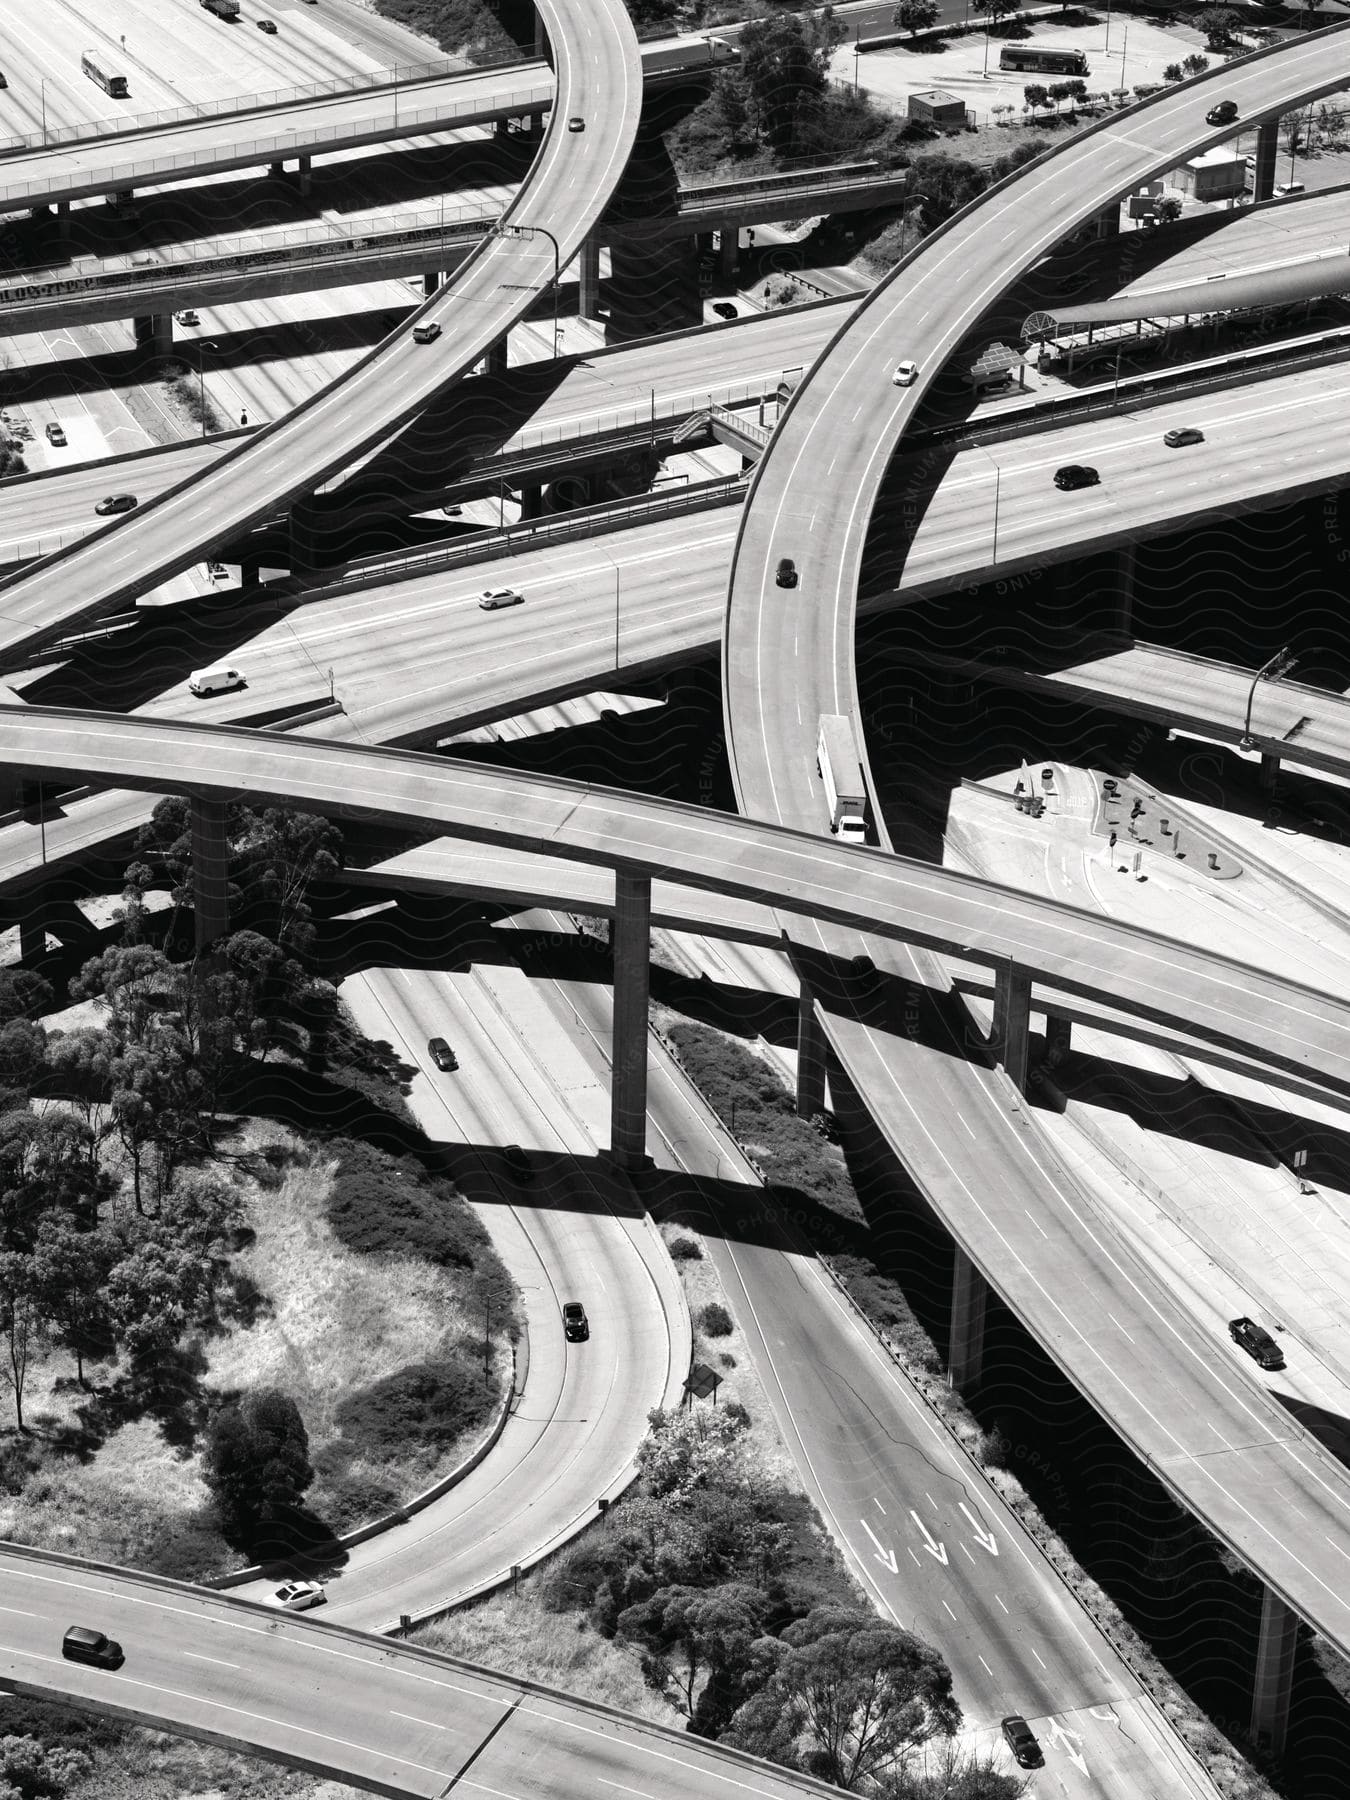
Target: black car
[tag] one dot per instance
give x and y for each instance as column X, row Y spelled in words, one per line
column 116, row 503
column 518, row 1163
column 1076, row 475
column 267, row 26
column 787, row 572
column 1022, row 1741
column 83, row 1645
column 1222, row 114
column 1257, row 1342
column 576, row 1326
column 441, row 1054
column 725, row 309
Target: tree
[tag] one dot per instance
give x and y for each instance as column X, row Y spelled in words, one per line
column 1172, row 72
column 686, row 1449
column 785, row 65
column 1036, row 96
column 1166, row 209
column 996, row 11
column 35, row 1772
column 1076, row 93
column 689, row 1636
column 22, row 1327
column 730, row 104
column 915, row 16
column 256, row 1458
column 70, row 1269
column 155, row 1291
column 951, row 1772
column 852, row 1695
column 1218, row 24
column 1194, row 64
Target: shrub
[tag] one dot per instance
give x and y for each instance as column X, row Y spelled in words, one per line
column 430, row 1403
column 686, row 1249
column 715, row 1320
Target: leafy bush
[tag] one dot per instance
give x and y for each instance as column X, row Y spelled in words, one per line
column 430, row 1403
column 715, row 1320
column 686, row 1249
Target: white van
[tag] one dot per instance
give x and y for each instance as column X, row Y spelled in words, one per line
column 217, row 680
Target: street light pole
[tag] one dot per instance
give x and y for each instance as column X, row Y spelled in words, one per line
column 529, row 231
column 43, row 85
column 1279, row 664
column 201, row 379
column 998, row 475
column 616, row 618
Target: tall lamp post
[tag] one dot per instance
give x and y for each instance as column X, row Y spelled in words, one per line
column 202, row 347
column 42, row 83
column 1279, row 664
column 530, row 231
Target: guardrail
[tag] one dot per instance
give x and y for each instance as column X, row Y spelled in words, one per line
column 90, row 132
column 632, row 418
column 298, row 243
column 517, row 539
column 402, row 121
column 845, row 175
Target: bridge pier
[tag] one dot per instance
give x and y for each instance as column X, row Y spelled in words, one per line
column 1122, row 619
column 810, row 1055
column 154, row 332
column 431, row 280
column 276, row 170
column 63, row 220
column 1270, row 771
column 1058, row 1039
column 494, row 363
column 1267, row 147
column 250, row 572
column 532, row 501
column 32, row 933
column 1010, row 1038
column 1274, row 1675
column 965, row 1343
column 631, row 943
column 210, row 870
column 588, row 264
column 729, row 252
column 1108, row 222
column 304, row 176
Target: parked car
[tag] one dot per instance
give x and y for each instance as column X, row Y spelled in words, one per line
column 216, row 571
column 115, row 503
column 1022, row 1741
column 84, row 1645
column 426, row 334
column 1287, row 187
column 576, row 123
column 297, row 1596
column 787, row 572
column 725, row 310
column 1257, row 1342
column 452, row 511
column 495, row 597
column 1076, row 475
column 56, row 434
column 267, row 26
column 905, row 374
column 1183, row 434
column 187, row 317
column 576, row 1326
column 1222, row 114
column 3, row 82
column 441, row 1054
column 518, row 1163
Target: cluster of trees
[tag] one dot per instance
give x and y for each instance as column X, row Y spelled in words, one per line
column 132, row 1103
column 255, row 1461
column 718, row 1583
column 779, row 83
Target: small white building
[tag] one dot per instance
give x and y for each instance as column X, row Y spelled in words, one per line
column 1217, row 175
column 935, row 106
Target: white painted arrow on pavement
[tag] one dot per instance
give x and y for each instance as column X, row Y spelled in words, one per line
column 882, row 1555
column 933, row 1548
column 986, row 1538
column 1069, row 1739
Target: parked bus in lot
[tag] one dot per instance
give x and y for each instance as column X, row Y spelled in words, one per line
column 116, row 85
column 1043, row 60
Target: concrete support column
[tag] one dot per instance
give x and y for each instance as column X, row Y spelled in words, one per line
column 810, row 1055
column 1012, row 1018
column 1267, row 147
column 532, row 501
column 431, row 280
column 276, row 170
column 1058, row 1039
column 494, row 363
column 1270, row 772
column 589, row 265
column 304, row 176
column 63, row 220
column 1108, row 222
column 210, row 870
column 729, row 253
column 32, row 933
column 250, row 572
column 965, row 1347
column 541, row 43
column 501, row 128
column 154, row 333
column 1121, row 618
column 1274, row 1674
column 631, row 940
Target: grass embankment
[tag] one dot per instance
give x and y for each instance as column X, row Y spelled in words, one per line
column 800, row 1165
column 467, row 28
column 358, row 1292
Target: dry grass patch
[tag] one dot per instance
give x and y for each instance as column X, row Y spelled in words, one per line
column 517, row 1636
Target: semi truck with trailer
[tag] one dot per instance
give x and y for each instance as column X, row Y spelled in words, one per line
column 841, row 774
column 223, row 9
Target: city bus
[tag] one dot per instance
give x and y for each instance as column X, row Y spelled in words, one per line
column 1043, row 60
column 116, row 85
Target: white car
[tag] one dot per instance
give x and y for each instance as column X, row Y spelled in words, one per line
column 495, row 597
column 295, row 1596
column 905, row 374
